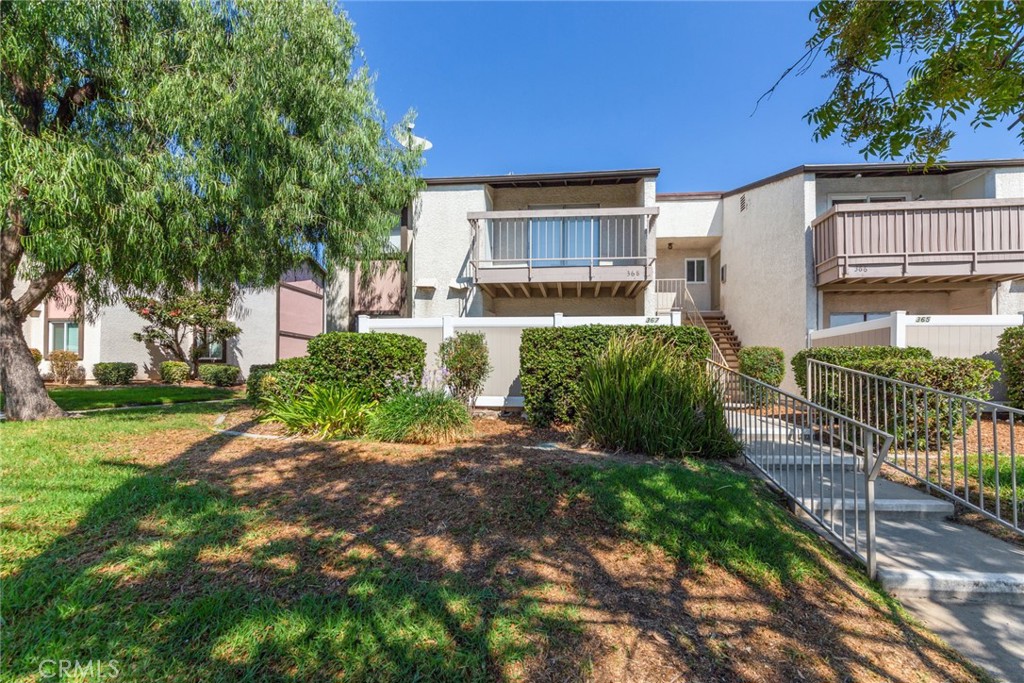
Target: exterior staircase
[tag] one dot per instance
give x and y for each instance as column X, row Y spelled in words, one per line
column 724, row 336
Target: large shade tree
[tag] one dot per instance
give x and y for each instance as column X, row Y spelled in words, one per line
column 905, row 72
column 148, row 143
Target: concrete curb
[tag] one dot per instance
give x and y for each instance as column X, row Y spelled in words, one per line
column 963, row 586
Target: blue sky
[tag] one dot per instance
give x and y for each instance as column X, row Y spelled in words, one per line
column 546, row 87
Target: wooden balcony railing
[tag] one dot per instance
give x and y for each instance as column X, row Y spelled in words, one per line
column 929, row 241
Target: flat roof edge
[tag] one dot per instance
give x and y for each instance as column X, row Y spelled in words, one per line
column 544, row 177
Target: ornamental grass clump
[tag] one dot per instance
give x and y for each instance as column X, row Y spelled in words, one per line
column 423, row 416
column 322, row 411
column 640, row 395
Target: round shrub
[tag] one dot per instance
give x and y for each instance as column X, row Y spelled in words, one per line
column 766, row 364
column 550, row 359
column 174, row 371
column 37, row 356
column 467, row 364
column 64, row 366
column 1011, row 349
column 426, row 416
column 285, row 378
column 110, row 374
column 252, row 381
column 378, row 363
column 218, row 375
column 639, row 395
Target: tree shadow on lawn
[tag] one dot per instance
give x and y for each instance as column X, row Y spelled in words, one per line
column 235, row 559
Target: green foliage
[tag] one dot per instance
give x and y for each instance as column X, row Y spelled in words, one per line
column 1011, row 349
column 114, row 373
column 184, row 325
column 322, row 411
column 64, row 366
column 37, row 356
column 467, row 363
column 550, row 359
column 150, row 144
column 848, row 356
column 764, row 363
column 174, row 372
column 963, row 58
column 252, row 380
column 219, row 375
column 285, row 378
column 427, row 416
column 641, row 395
column 381, row 364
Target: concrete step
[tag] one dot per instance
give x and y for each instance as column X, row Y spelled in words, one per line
column 1004, row 588
column 802, row 460
column 891, row 508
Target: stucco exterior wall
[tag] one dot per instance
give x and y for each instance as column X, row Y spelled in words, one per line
column 338, row 300
column 930, row 186
column 255, row 312
column 114, row 343
column 769, row 295
column 1007, row 183
column 672, row 265
column 585, row 305
column 441, row 251
column 690, row 218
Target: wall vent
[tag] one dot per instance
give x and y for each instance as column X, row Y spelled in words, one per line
column 743, row 202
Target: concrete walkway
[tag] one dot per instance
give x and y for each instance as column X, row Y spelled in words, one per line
column 965, row 585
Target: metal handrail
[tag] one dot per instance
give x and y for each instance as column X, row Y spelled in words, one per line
column 804, row 449
column 694, row 317
column 930, row 426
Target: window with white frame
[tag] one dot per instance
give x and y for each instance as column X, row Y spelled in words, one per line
column 697, row 271
column 839, row 319
column 64, row 335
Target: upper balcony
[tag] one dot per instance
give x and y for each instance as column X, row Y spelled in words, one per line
column 564, row 252
column 975, row 240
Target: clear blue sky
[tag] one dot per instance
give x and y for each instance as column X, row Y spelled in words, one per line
column 546, row 87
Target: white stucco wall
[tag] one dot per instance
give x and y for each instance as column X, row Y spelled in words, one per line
column 690, row 218
column 914, row 186
column 441, row 251
column 672, row 266
column 116, row 345
column 1007, row 183
column 769, row 295
column 255, row 312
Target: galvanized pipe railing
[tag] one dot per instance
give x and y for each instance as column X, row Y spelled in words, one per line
column 683, row 302
column 825, row 462
column 963, row 448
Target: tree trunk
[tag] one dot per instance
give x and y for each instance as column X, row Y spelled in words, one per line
column 25, row 397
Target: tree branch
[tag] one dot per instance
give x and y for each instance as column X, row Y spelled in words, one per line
column 37, row 291
column 73, row 99
column 30, row 98
column 800, row 66
column 11, row 248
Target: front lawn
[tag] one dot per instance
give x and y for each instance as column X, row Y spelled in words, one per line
column 145, row 538
column 92, row 397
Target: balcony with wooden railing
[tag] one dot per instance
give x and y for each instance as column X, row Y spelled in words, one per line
column 944, row 241
column 564, row 252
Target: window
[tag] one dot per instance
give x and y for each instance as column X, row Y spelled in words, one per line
column 838, row 319
column 568, row 241
column 64, row 336
column 696, row 270
column 209, row 348
column 835, row 200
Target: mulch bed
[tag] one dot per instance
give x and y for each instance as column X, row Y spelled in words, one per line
column 470, row 508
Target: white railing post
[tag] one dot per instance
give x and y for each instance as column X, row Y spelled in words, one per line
column 447, row 326
column 556, row 320
column 899, row 329
column 363, row 323
column 676, row 318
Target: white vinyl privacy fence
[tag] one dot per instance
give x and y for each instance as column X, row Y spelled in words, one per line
column 503, row 336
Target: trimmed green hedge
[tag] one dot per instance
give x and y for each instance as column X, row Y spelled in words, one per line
column 282, row 380
column 252, row 380
column 110, row 374
column 550, row 359
column 380, row 363
column 845, row 356
column 219, row 375
column 764, row 363
column 1011, row 349
column 174, row 371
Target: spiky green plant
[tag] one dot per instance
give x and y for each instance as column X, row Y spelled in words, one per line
column 323, row 411
column 427, row 416
column 640, row 395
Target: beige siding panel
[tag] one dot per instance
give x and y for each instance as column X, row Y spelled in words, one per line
column 503, row 349
column 955, row 341
column 879, row 337
column 432, row 336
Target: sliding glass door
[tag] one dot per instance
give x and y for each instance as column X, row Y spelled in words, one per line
column 564, row 241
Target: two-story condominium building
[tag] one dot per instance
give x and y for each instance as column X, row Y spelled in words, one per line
column 810, row 248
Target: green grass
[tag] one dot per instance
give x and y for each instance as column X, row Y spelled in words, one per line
column 89, row 398
column 176, row 578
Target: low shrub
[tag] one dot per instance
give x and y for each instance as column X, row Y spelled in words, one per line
column 467, row 364
column 764, row 363
column 64, row 366
column 174, row 371
column 219, row 375
column 427, row 416
column 845, row 355
column 640, row 395
column 1011, row 349
column 378, row 363
column 550, row 359
column 323, row 411
column 37, row 356
column 114, row 373
column 252, row 380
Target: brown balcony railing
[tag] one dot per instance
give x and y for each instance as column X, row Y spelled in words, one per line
column 946, row 240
